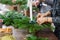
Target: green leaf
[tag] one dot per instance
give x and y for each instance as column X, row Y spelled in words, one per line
column 31, row 37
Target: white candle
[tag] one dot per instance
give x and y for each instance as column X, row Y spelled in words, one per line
column 31, row 18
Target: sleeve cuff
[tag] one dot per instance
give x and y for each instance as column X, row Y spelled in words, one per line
column 54, row 19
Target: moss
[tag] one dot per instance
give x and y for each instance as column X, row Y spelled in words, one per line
column 8, row 37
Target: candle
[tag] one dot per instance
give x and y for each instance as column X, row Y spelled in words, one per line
column 31, row 18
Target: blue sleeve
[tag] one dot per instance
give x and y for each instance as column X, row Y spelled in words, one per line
column 49, row 2
column 56, row 18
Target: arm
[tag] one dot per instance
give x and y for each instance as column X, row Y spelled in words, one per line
column 49, row 20
column 54, row 19
column 43, row 14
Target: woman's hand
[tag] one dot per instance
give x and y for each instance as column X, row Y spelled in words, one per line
column 42, row 20
column 36, row 3
column 43, row 14
column 40, row 15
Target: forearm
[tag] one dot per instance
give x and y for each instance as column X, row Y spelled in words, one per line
column 53, row 19
column 49, row 19
column 56, row 19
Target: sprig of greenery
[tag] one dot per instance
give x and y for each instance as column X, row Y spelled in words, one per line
column 6, row 2
column 9, row 2
column 19, row 21
column 32, row 37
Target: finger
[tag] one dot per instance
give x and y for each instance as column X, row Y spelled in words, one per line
column 41, row 23
column 38, row 21
column 39, row 15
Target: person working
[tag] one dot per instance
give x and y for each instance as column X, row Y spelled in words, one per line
column 55, row 17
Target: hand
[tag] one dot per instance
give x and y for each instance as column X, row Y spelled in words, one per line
column 43, row 14
column 35, row 3
column 40, row 15
column 42, row 20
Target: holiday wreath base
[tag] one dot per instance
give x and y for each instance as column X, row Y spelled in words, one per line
column 46, row 34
